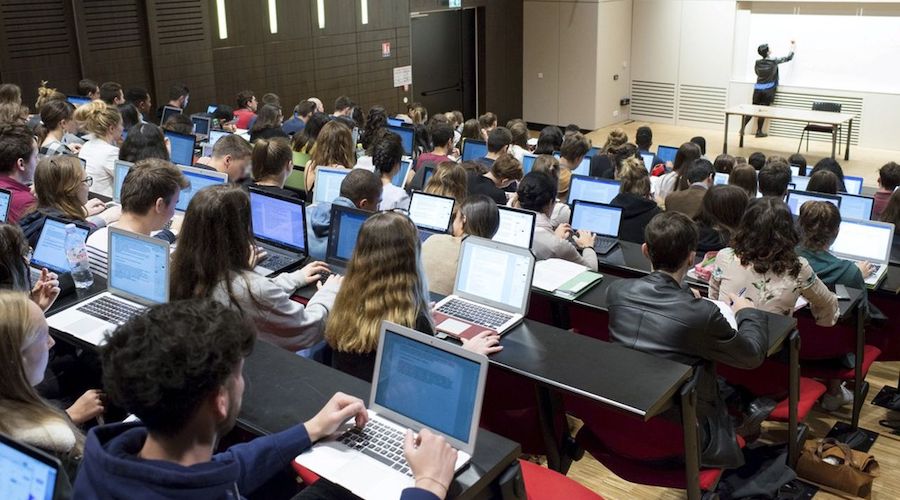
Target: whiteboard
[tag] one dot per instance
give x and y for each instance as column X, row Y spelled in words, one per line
column 857, row 53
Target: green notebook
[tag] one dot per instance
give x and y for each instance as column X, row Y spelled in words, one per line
column 576, row 286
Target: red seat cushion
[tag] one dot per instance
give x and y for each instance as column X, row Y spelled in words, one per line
column 542, row 483
column 589, row 322
column 827, row 370
column 810, row 392
column 307, row 476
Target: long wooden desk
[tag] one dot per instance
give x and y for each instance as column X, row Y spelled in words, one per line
column 796, row 115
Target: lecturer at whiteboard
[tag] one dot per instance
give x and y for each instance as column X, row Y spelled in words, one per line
column 766, row 83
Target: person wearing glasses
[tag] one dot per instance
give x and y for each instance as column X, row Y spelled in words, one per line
column 61, row 187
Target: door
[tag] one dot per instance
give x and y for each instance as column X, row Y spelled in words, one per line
column 444, row 60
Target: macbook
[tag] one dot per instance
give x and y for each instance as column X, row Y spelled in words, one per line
column 345, row 225
column 182, row 147
column 399, row 179
column 528, row 163
column 407, row 135
column 856, row 206
column 853, row 184
column 493, row 284
column 473, row 149
column 587, row 188
column 202, row 125
column 199, row 179
column 666, row 153
column 279, row 227
column 864, row 240
column 800, row 181
column 120, row 170
column 599, row 218
column 796, row 199
column 516, row 227
column 215, row 135
column 26, row 473
column 795, row 170
column 328, row 184
column 432, row 214
column 138, row 278
column 419, row 382
column 5, row 197
column 169, row 112
column 583, row 168
column 50, row 251
column 395, row 122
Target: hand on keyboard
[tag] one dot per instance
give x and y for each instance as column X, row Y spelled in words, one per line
column 313, row 272
column 866, row 268
column 431, row 459
column 335, row 412
column 585, row 239
column 257, row 255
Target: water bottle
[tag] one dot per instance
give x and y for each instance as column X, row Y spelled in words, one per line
column 77, row 255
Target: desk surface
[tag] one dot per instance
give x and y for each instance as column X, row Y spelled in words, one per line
column 800, row 115
column 283, row 389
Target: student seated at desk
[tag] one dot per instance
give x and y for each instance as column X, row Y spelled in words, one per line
column 549, row 165
column 384, row 282
column 268, row 124
column 478, row 215
column 218, row 217
column 549, row 140
column 333, row 148
column 724, row 164
column 757, row 160
column 643, row 139
column 360, row 189
column 634, row 197
column 773, row 179
column 304, row 142
column 149, row 195
column 831, row 165
column 700, row 175
column 272, row 164
column 719, row 217
column 14, row 274
column 572, row 151
column 442, row 140
column 824, row 182
column 655, row 314
column 537, row 192
column 231, row 155
column 676, row 180
column 449, row 180
column 888, row 180
column 18, row 160
column 100, row 153
column 744, row 177
column 61, row 186
column 177, row 367
column 763, row 266
column 57, row 120
column 145, row 140
column 386, row 155
column 246, row 109
column 498, row 141
column 503, row 172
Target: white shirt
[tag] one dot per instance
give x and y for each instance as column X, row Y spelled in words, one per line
column 393, row 197
column 100, row 157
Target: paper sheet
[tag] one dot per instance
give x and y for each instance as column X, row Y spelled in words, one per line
column 551, row 274
column 726, row 311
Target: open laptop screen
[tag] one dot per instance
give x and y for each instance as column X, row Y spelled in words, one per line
column 199, row 179
column 493, row 273
column 473, row 149
column 168, row 112
column 800, row 182
column 50, row 251
column 201, row 124
column 594, row 151
column 406, row 137
column 856, row 207
column 592, row 189
column 666, row 153
column 796, row 199
column 598, row 218
column 121, row 170
column 516, row 227
column 583, row 168
column 862, row 240
column 528, row 163
column 278, row 221
column 182, row 148
column 328, row 184
column 431, row 212
column 648, row 162
column 853, row 184
column 138, row 267
column 436, row 388
column 77, row 100
column 24, row 475
column 5, row 196
column 349, row 222
column 215, row 135
column 399, row 179
column 721, row 179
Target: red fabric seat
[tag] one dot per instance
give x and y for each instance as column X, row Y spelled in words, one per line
column 307, row 476
column 810, row 392
column 542, row 483
column 771, row 380
column 589, row 322
column 540, row 309
column 827, row 370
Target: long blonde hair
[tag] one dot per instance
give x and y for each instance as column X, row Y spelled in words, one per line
column 17, row 396
column 57, row 180
column 97, row 117
column 384, row 281
column 449, row 179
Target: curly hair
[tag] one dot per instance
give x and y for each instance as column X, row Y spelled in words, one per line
column 162, row 364
column 767, row 237
column 386, row 153
column 376, row 121
column 819, row 223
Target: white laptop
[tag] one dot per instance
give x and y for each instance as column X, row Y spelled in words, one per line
column 432, row 214
column 592, row 189
column 491, row 292
column 215, row 135
column 399, row 179
column 328, row 184
column 279, row 227
column 5, row 197
column 865, row 240
column 853, row 184
column 648, row 161
column 419, row 382
column 583, row 168
column 199, row 179
column 138, row 277
column 120, row 170
column 516, row 227
column 796, row 199
column 721, row 179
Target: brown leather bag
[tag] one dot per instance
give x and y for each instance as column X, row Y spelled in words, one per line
column 850, row 471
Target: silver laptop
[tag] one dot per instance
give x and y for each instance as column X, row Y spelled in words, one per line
column 599, row 218
column 138, row 277
column 593, row 189
column 26, row 472
column 199, row 179
column 202, row 125
column 491, row 292
column 120, row 170
column 796, row 199
column 516, row 227
column 5, row 197
column 419, row 382
column 328, row 184
column 865, row 240
column 345, row 225
column 50, row 250
column 279, row 227
column 432, row 214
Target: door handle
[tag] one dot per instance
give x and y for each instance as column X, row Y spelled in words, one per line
column 454, row 88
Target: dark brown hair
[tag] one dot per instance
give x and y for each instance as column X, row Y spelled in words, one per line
column 823, row 181
column 670, row 237
column 744, row 177
column 819, row 223
column 767, row 237
column 270, row 157
column 722, row 209
column 149, row 180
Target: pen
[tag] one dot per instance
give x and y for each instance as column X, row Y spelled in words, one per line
column 741, row 293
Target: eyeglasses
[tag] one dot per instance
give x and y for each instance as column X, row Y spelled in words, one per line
column 89, row 181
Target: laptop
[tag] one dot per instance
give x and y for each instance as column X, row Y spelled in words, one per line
column 182, row 147
column 345, row 225
column 77, row 100
column 594, row 151
column 279, row 226
column 212, row 108
column 800, row 181
column 5, row 198
column 583, row 187
column 399, row 179
column 27, row 473
column 395, row 122
column 493, row 284
column 199, row 179
column 120, row 170
column 516, row 227
column 583, row 168
column 426, row 175
column 796, row 199
column 528, row 163
column 795, row 170
column 721, row 179
column 168, row 112
column 407, row 135
column 599, row 218
column 853, row 184
column 474, row 149
column 215, row 135
column 856, row 206
column 202, row 126
column 648, row 162
column 432, row 214
column 138, row 277
column 328, row 184
column 666, row 153
column 50, row 252
column 419, row 382
column 865, row 240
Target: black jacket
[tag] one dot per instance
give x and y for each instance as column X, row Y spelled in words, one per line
column 711, row 239
column 636, row 214
column 654, row 314
column 767, row 69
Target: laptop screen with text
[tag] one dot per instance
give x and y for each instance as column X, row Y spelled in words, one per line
column 493, row 274
column 430, row 211
column 5, row 196
column 50, row 251
column 182, row 148
column 856, row 207
column 800, row 181
column 516, row 227
column 278, row 221
column 199, row 179
column 862, row 240
column 597, row 218
column 796, row 199
column 592, row 189
column 473, row 149
column 328, row 184
column 138, row 267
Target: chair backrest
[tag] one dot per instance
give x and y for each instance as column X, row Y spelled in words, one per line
column 834, row 107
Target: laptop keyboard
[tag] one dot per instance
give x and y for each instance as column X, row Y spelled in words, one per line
column 604, row 244
column 379, row 441
column 473, row 313
column 277, row 261
column 110, row 310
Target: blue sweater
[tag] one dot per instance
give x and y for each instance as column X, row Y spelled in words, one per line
column 111, row 468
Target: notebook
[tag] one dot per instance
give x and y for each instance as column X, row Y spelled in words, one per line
column 5, row 197
column 26, row 473
column 516, row 227
column 864, row 240
column 50, row 252
column 182, row 147
column 666, row 153
column 432, row 214
column 796, row 199
column 853, row 184
column 279, row 227
column 856, row 206
column 169, row 112
column 474, row 149
column 419, row 382
column 138, row 277
column 407, row 136
column 199, row 179
column 592, row 189
column 120, row 170
column 528, row 163
column 328, row 184
column 599, row 218
column 345, row 225
column 491, row 292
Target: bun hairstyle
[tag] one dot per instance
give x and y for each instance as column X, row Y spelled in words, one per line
column 270, row 157
column 97, row 117
column 46, row 95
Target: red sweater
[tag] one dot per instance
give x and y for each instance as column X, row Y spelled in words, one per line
column 21, row 199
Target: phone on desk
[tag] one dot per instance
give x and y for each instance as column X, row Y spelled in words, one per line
column 841, row 292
